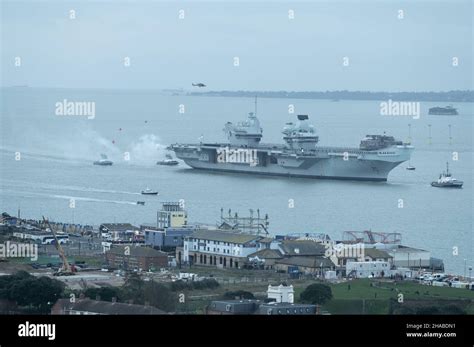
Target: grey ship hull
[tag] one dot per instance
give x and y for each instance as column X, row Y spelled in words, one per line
column 323, row 163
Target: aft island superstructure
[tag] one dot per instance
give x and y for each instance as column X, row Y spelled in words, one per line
column 301, row 156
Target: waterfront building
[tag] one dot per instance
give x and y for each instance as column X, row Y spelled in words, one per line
column 224, row 249
column 171, row 215
column 368, row 269
column 169, row 237
column 410, row 257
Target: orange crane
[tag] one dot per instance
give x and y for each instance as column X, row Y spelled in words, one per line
column 66, row 269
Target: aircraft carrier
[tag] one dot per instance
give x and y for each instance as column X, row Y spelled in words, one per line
column 301, row 156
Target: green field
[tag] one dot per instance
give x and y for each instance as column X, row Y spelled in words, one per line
column 372, row 296
column 365, row 296
column 362, row 289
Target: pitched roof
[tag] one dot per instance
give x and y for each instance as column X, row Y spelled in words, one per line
column 119, row 226
column 224, row 236
column 228, row 226
column 267, row 240
column 313, row 262
column 376, row 253
column 137, row 251
column 267, row 253
column 406, row 249
column 302, row 247
column 105, row 307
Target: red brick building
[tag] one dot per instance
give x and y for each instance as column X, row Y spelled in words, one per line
column 136, row 257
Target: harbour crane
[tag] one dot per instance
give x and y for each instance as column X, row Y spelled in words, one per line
column 66, row 269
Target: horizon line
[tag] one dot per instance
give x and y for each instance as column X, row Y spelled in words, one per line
column 235, row 90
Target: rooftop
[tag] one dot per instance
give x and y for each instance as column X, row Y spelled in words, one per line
column 302, row 247
column 376, row 253
column 224, row 236
column 405, row 249
column 172, row 207
column 105, row 307
column 137, row 251
column 119, row 226
column 312, row 262
column 267, row 253
column 237, row 301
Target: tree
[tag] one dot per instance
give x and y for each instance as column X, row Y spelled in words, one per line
column 39, row 293
column 160, row 296
column 316, row 294
column 242, row 294
column 133, row 289
column 105, row 293
column 141, row 292
column 207, row 283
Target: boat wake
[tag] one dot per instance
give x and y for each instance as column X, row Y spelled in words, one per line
column 80, row 198
column 84, row 148
column 57, row 187
column 31, row 195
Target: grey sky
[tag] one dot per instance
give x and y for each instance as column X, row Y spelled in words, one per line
column 275, row 53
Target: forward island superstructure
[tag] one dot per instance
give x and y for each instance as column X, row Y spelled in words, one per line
column 301, row 156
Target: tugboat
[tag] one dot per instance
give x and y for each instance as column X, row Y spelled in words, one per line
column 169, row 161
column 148, row 191
column 445, row 180
column 103, row 161
column 443, row 111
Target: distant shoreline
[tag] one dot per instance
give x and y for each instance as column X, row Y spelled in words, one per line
column 337, row 95
column 451, row 96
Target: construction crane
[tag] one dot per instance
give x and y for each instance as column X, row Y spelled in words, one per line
column 66, row 269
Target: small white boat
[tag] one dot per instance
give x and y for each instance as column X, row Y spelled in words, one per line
column 148, row 191
column 103, row 161
column 169, row 161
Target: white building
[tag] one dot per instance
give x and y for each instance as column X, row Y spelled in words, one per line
column 281, row 293
column 367, row 269
column 410, row 257
column 219, row 248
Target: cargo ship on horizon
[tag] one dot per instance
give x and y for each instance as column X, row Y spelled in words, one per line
column 443, row 111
